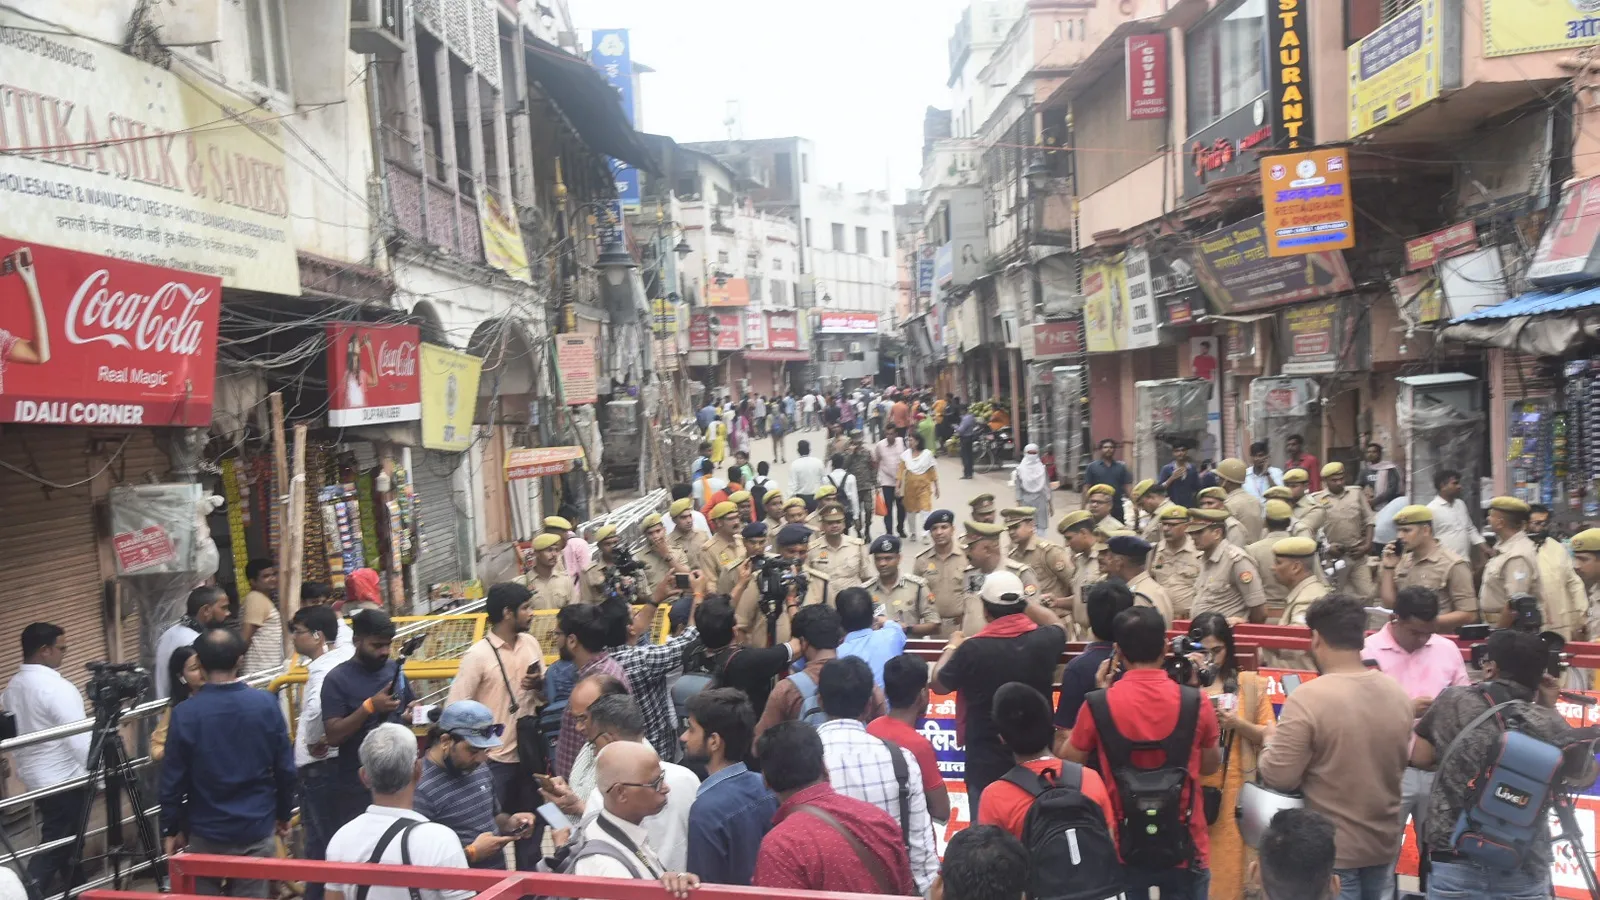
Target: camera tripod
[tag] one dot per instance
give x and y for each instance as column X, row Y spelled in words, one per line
column 108, row 759
column 1573, row 835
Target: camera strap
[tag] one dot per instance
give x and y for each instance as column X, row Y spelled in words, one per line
column 1497, row 707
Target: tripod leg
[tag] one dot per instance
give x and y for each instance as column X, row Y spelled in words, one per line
column 72, row 875
column 1573, row 835
column 149, row 842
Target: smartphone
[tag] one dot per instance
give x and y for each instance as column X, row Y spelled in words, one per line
column 552, row 816
column 535, row 667
column 544, row 780
column 681, row 580
column 1290, row 683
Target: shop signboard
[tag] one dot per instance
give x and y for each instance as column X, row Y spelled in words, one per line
column 755, row 331
column 540, row 462
column 1222, row 149
column 90, row 340
column 103, row 153
column 1289, row 74
column 1105, row 305
column 783, row 332
column 613, row 56
column 731, row 292
column 1395, row 69
column 1145, row 61
column 1518, row 26
column 1424, row 251
column 1307, row 201
column 847, row 323
column 699, row 332
column 1569, row 251
column 664, row 313
column 579, row 371
column 1238, row 275
column 1143, row 330
column 944, row 264
column 727, row 331
column 449, row 397
column 926, row 263
column 1419, row 296
column 1057, row 339
column 502, row 238
column 373, row 376
column 1319, row 339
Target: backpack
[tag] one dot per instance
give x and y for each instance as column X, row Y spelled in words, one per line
column 1156, row 804
column 702, row 672
column 566, row 857
column 810, row 701
column 1507, row 806
column 1070, row 850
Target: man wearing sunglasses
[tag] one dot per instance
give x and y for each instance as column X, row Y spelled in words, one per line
column 456, row 789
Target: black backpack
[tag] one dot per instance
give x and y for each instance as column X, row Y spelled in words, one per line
column 1155, row 804
column 1070, row 851
column 702, row 671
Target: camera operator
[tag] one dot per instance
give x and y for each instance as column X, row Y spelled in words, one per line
column 770, row 589
column 1514, row 569
column 1342, row 741
column 604, row 573
column 1514, row 669
column 1417, row 559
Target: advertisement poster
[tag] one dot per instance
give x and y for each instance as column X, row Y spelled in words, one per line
column 539, row 462
column 1053, row 339
column 847, row 323
column 1238, row 276
column 1569, row 251
column 1315, row 338
column 1307, row 201
column 1519, row 26
column 755, row 331
column 449, row 397
column 1204, row 359
column 783, row 332
column 372, row 375
column 732, row 292
column 1143, row 324
column 1395, row 69
column 120, row 180
column 727, row 331
column 925, row 270
column 502, row 239
column 1289, row 74
column 575, row 361
column 1430, row 248
column 613, row 56
column 1105, row 311
column 89, row 340
column 1145, row 56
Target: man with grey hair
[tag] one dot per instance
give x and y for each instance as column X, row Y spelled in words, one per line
column 633, row 785
column 390, row 831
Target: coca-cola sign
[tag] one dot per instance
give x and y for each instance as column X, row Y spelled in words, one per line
column 88, row 340
column 372, row 374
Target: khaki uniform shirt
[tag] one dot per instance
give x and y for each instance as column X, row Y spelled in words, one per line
column 1051, row 563
column 688, row 542
column 656, row 568
column 1261, row 552
column 1442, row 572
column 553, row 592
column 848, row 565
column 907, row 602
column 1085, row 571
column 972, row 582
column 1246, row 507
column 946, row 588
column 1347, row 519
column 1594, row 609
column 719, row 560
column 1110, row 523
column 1237, row 534
column 591, row 584
column 1514, row 569
column 747, row 611
column 1228, row 583
column 1563, row 598
column 1152, row 531
column 1309, row 516
column 1300, row 599
column 1149, row 592
column 1176, row 571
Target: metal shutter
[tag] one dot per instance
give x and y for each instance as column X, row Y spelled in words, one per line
column 1164, row 362
column 443, row 515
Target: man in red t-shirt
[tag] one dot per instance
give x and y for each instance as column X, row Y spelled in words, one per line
column 905, row 686
column 1022, row 717
column 1144, row 704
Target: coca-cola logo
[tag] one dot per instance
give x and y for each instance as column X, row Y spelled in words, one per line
column 165, row 321
column 398, row 360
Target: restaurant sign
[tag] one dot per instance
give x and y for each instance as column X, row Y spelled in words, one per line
column 1238, row 275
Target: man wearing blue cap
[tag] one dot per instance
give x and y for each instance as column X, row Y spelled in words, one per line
column 457, row 791
column 900, row 598
column 940, row 566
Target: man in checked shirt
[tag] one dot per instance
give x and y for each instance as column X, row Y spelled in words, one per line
column 646, row 667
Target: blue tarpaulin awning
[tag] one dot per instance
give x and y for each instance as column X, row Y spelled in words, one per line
column 1538, row 323
column 1536, row 303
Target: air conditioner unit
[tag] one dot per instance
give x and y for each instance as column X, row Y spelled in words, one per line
column 379, row 27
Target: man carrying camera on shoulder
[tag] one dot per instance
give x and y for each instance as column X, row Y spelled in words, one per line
column 769, row 590
column 1468, row 748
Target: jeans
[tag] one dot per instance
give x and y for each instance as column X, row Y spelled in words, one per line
column 60, row 815
column 266, row 848
column 516, row 795
column 1366, row 883
column 317, row 814
column 1459, row 881
column 1175, row 884
column 892, row 509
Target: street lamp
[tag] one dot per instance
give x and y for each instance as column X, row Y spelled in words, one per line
column 1038, row 174
column 615, row 262
column 683, row 249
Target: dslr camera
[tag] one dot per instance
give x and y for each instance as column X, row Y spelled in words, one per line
column 1180, row 667
column 776, row 576
column 1529, row 617
column 622, row 576
column 113, row 685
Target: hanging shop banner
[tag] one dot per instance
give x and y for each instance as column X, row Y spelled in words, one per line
column 1145, row 61
column 1055, row 339
column 664, row 313
column 1569, row 251
column 1320, row 339
column 579, row 370
column 1395, row 69
column 1219, row 151
column 89, row 340
column 1307, row 201
column 502, row 238
column 1289, row 74
column 732, row 292
column 372, row 374
column 1105, row 306
column 539, row 462
column 700, row 332
column 613, row 56
column 1424, row 251
column 103, row 153
column 755, row 331
column 783, row 332
column 1238, row 276
column 449, row 397
column 1419, row 297
column 847, row 323
column 926, row 265
column 727, row 331
column 1142, row 320
column 1518, row 26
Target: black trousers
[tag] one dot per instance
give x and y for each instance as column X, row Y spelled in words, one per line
column 59, row 817
column 518, row 794
column 893, row 509
column 967, row 461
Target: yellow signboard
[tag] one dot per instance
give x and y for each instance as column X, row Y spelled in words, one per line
column 1307, row 201
column 502, row 238
column 1529, row 26
column 1395, row 69
column 1105, row 306
column 449, row 397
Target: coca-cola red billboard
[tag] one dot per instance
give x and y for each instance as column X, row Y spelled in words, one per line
column 373, row 375
column 89, row 340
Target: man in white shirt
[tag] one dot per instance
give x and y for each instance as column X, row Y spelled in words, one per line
column 390, row 832
column 207, row 607
column 1452, row 523
column 1262, row 474
column 315, row 632
column 886, row 457
column 634, row 787
column 849, row 491
column 805, row 475
column 40, row 698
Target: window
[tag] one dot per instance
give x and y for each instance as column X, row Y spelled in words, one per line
column 861, row 240
column 838, row 236
column 780, row 291
column 784, row 163
column 722, row 256
column 885, row 243
column 777, row 264
column 269, row 65
column 1226, row 62
column 809, row 242
column 805, row 169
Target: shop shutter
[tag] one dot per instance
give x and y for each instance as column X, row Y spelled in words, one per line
column 1164, row 361
column 1526, row 378
column 49, row 545
column 443, row 514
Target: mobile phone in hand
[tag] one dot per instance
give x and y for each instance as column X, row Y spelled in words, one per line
column 553, row 816
column 681, row 580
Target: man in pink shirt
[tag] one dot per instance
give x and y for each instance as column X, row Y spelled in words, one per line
column 1425, row 663
column 886, row 456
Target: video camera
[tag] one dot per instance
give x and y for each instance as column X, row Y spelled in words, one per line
column 622, row 576
column 1529, row 617
column 113, row 685
column 776, row 576
column 1181, row 668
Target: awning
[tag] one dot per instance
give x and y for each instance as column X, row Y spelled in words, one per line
column 1538, row 323
column 1536, row 303
column 538, row 462
column 588, row 102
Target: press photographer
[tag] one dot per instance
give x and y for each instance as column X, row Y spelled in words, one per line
column 614, row 574
column 770, row 589
column 1470, row 748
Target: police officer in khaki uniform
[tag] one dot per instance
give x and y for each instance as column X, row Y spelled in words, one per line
column 1514, row 568
column 746, row 503
column 1124, row 558
column 824, row 495
column 685, row 538
column 1176, row 564
column 552, row 588
column 983, row 509
column 562, row 529
column 1077, row 529
column 720, row 557
column 1244, row 506
column 984, row 557
column 772, row 506
column 750, row 614
column 842, row 557
column 660, row 560
column 1148, row 498
column 1217, row 498
column 1098, row 501
column 1048, row 560
column 795, row 512
column 1309, row 512
column 1425, row 562
column 1586, row 562
column 1347, row 528
column 902, row 598
column 1228, row 582
column 1295, row 566
column 940, row 566
column 1277, row 525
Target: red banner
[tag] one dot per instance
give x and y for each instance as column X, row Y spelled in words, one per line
column 1145, row 56
column 538, row 462
column 88, row 340
column 729, row 330
column 373, row 377
column 1052, row 339
column 580, row 372
column 700, row 331
column 847, row 323
column 783, row 331
column 1430, row 248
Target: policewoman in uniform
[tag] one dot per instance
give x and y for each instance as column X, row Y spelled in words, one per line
column 1176, row 563
column 1228, row 583
column 940, row 567
column 1047, row 559
column 1514, row 568
column 984, row 556
column 900, row 598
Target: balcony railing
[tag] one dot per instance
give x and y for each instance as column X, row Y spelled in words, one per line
column 451, row 220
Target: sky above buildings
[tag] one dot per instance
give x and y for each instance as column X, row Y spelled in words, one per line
column 854, row 76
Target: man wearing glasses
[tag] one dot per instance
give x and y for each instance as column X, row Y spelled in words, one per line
column 457, row 791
